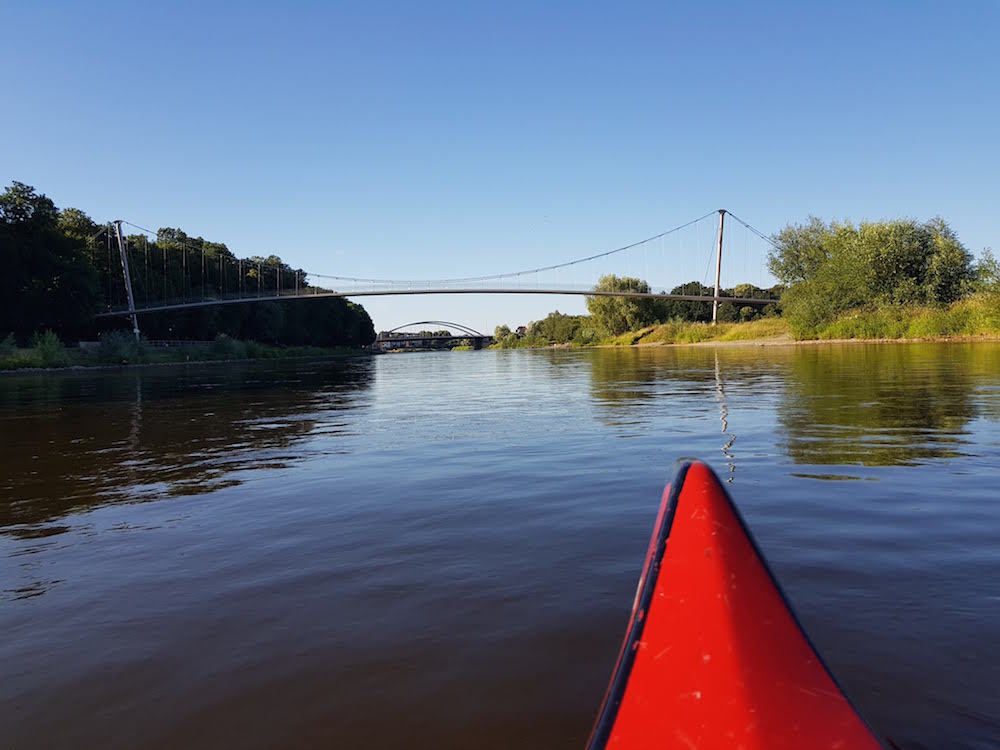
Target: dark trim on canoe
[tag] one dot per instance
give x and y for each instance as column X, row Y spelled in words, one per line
column 644, row 596
column 626, row 657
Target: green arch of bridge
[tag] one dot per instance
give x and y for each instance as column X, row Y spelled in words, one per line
column 462, row 329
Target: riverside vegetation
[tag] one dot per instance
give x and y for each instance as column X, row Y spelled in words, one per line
column 46, row 350
column 61, row 270
column 875, row 280
column 888, row 279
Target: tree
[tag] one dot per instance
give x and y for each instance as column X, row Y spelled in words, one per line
column 688, row 310
column 76, row 224
column 802, row 249
column 836, row 267
column 616, row 315
column 504, row 338
column 49, row 282
column 57, row 276
column 554, row 328
column 20, row 205
column 987, row 271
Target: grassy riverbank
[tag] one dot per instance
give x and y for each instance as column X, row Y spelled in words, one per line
column 683, row 332
column 974, row 317
column 48, row 352
column 978, row 315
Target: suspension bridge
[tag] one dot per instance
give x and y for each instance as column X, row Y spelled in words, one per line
column 190, row 274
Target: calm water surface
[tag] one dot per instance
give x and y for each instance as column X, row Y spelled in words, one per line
column 440, row 550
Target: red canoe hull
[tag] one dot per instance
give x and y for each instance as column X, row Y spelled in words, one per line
column 713, row 656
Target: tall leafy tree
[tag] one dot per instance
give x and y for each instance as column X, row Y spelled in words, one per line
column 687, row 310
column 49, row 282
column 615, row 315
column 59, row 273
column 834, row 267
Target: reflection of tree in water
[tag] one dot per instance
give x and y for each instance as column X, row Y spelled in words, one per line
column 882, row 405
column 626, row 379
column 692, row 382
column 80, row 441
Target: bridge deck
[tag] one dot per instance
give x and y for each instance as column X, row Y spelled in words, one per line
column 398, row 292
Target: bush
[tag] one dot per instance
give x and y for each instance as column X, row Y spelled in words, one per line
column 48, row 350
column 253, row 350
column 122, row 348
column 226, row 348
column 978, row 315
column 8, row 346
column 618, row 315
column 833, row 269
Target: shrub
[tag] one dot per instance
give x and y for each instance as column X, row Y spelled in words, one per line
column 122, row 348
column 253, row 350
column 8, row 346
column 48, row 350
column 833, row 269
column 226, row 348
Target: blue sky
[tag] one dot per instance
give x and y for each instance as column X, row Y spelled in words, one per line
column 450, row 139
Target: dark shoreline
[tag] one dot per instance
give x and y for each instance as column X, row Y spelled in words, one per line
column 129, row 366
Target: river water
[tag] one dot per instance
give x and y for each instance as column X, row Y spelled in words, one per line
column 440, row 550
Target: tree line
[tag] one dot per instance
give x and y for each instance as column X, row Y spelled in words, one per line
column 832, row 268
column 61, row 268
column 825, row 271
column 613, row 316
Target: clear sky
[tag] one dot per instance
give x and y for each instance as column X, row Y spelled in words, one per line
column 432, row 139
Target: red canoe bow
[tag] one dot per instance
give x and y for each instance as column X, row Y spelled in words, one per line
column 713, row 657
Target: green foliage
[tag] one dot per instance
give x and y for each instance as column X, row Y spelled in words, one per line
column 802, row 250
column 687, row 310
column 226, row 348
column 615, row 315
column 48, row 350
column 122, row 348
column 759, row 328
column 653, row 311
column 685, row 332
column 8, row 346
column 978, row 315
column 254, row 350
column 507, row 341
column 74, row 223
column 57, row 276
column 48, row 280
column 625, row 314
column 20, row 204
column 554, row 329
column 987, row 272
column 838, row 267
column 728, row 312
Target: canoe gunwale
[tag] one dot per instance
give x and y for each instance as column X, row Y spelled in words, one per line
column 637, row 622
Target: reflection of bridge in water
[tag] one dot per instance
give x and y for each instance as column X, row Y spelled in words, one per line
column 399, row 339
